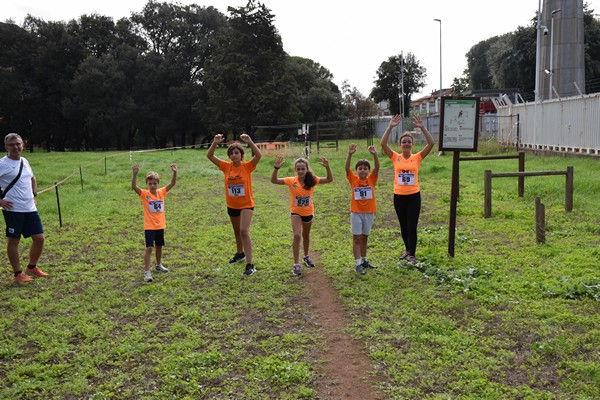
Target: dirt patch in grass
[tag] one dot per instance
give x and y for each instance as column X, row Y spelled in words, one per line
column 347, row 372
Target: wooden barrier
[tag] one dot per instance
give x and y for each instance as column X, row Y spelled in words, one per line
column 521, row 166
column 272, row 147
column 324, row 135
column 487, row 186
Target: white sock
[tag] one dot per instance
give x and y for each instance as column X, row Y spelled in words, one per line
column 358, row 261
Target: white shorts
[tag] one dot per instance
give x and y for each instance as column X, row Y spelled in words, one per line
column 361, row 223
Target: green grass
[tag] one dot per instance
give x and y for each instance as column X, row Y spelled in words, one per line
column 506, row 318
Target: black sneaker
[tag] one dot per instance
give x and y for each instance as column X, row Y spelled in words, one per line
column 296, row 270
column 308, row 262
column 368, row 265
column 249, row 269
column 359, row 269
column 238, row 257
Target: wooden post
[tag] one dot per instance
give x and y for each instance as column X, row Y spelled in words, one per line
column 453, row 203
column 521, row 169
column 540, row 221
column 81, row 178
column 58, row 204
column 569, row 190
column 487, row 197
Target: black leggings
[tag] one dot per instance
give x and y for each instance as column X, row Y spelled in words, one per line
column 408, row 208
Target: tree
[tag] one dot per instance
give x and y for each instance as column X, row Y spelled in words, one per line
column 57, row 57
column 459, row 85
column 100, row 97
column 592, row 50
column 247, row 81
column 181, row 39
column 356, row 105
column 16, row 47
column 478, row 66
column 318, row 98
column 387, row 84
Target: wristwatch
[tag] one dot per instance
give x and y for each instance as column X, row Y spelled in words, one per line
column 34, row 194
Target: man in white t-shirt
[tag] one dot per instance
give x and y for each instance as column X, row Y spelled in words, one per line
column 19, row 209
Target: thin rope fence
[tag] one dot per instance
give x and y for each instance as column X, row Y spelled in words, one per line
column 131, row 153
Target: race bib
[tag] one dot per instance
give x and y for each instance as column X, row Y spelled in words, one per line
column 363, row 193
column 302, row 201
column 156, row 206
column 406, row 179
column 236, row 190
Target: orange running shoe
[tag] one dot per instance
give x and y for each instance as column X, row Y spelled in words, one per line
column 21, row 278
column 35, row 272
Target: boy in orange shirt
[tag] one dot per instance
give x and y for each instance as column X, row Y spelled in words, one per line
column 362, row 205
column 153, row 200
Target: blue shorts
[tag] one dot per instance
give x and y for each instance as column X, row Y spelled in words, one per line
column 26, row 224
column 155, row 236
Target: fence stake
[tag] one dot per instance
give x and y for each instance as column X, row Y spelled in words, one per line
column 58, row 204
column 569, row 190
column 521, row 178
column 487, row 196
column 540, row 221
column 81, row 178
column 105, row 173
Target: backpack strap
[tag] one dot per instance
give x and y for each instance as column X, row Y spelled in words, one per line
column 10, row 185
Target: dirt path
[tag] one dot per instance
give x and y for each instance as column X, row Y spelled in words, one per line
column 347, row 369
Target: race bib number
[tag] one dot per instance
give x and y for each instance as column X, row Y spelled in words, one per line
column 363, row 193
column 156, row 206
column 236, row 190
column 302, row 201
column 406, row 179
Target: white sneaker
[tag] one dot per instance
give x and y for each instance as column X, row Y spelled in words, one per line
column 161, row 268
column 147, row 276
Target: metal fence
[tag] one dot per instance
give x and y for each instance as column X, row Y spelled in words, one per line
column 568, row 125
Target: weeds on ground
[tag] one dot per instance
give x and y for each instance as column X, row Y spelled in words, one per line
column 506, row 318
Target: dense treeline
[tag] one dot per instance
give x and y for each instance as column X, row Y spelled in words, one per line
column 170, row 74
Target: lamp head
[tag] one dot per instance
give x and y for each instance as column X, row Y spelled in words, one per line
column 545, row 31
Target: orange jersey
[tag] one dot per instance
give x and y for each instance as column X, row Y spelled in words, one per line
column 406, row 173
column 300, row 199
column 363, row 193
column 154, row 209
column 238, row 184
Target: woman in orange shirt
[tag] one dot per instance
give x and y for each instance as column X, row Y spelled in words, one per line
column 302, row 208
column 407, row 193
column 238, row 194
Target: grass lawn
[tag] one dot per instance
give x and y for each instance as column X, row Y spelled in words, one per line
column 506, row 318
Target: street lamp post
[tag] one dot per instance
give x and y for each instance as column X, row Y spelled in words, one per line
column 440, row 96
column 537, row 52
column 551, row 50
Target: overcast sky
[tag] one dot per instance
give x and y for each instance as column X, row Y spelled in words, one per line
column 350, row 38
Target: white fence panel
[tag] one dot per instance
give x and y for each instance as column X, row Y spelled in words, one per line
column 566, row 125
